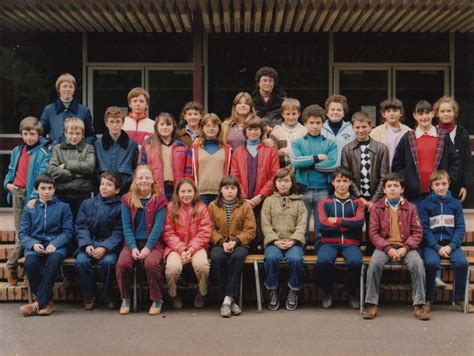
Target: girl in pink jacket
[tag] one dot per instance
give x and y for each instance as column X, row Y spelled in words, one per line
column 187, row 234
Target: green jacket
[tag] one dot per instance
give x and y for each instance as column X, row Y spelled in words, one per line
column 283, row 218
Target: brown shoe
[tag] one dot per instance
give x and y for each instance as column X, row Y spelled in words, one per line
column 427, row 307
column 470, row 307
column 46, row 310
column 89, row 303
column 369, row 312
column 176, row 302
column 12, row 277
column 421, row 313
column 199, row 300
column 29, row 309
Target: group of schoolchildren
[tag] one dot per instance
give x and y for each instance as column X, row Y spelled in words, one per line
column 209, row 190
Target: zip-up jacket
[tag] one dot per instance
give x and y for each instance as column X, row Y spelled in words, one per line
column 46, row 223
column 192, row 163
column 38, row 164
column 411, row 232
column 99, row 223
column 347, row 230
column 443, row 221
column 344, row 136
column 138, row 130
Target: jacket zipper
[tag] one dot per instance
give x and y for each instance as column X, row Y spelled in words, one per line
column 442, row 222
column 45, row 216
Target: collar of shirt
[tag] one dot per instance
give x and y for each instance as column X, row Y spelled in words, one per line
column 432, row 132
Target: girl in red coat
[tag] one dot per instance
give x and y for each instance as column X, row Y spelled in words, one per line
column 187, row 234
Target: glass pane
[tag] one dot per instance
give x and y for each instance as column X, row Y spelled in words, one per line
column 415, row 85
column 364, row 89
column 110, row 89
column 169, row 91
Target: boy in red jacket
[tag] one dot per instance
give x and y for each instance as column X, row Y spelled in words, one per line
column 396, row 232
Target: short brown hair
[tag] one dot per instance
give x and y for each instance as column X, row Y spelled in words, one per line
column 394, row 177
column 255, row 122
column 65, row 77
column 190, row 105
column 313, row 111
column 336, row 98
column 290, row 103
column 439, row 174
column 266, row 72
column 361, row 116
column 137, row 92
column 392, row 103
column 213, row 119
column 74, row 123
column 283, row 172
column 31, row 123
column 114, row 177
column 114, row 112
column 449, row 100
column 422, row 106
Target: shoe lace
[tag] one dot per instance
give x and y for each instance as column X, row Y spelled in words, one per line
column 273, row 297
column 292, row 296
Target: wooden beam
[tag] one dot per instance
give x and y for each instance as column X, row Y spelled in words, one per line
column 322, row 16
column 289, row 15
column 247, row 15
column 96, row 8
column 365, row 15
column 71, row 10
column 226, row 15
column 419, row 15
column 14, row 13
column 348, row 9
column 432, row 16
column 139, row 9
column 198, row 72
column 390, row 10
column 357, row 12
column 130, row 16
column 11, row 25
column 403, row 10
column 469, row 20
column 166, row 23
column 205, row 16
column 185, row 16
column 121, row 17
column 374, row 19
column 85, row 15
column 301, row 12
column 257, row 20
column 267, row 22
column 332, row 16
column 216, row 16
column 447, row 20
column 60, row 14
column 280, row 12
column 175, row 19
column 151, row 12
column 313, row 12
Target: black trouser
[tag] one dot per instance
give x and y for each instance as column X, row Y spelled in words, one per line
column 227, row 268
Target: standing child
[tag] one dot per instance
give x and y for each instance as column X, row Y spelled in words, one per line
column 116, row 152
column 283, row 225
column 284, row 134
column 335, row 128
column 137, row 124
column 342, row 219
column 72, row 165
column 26, row 161
column 391, row 131
column 447, row 110
column 143, row 216
column 187, row 234
column 233, row 227
column 423, row 151
column 191, row 116
column 313, row 157
column 99, row 235
column 46, row 230
column 165, row 154
column 396, row 232
column 444, row 229
column 208, row 159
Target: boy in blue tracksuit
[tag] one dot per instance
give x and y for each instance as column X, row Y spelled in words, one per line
column 342, row 218
column 312, row 156
column 26, row 161
column 99, row 234
column 442, row 218
column 45, row 231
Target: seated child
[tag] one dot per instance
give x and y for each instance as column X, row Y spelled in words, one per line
column 143, row 216
column 26, row 161
column 116, row 152
column 45, row 237
column 233, row 227
column 99, row 234
column 442, row 218
column 284, row 225
column 187, row 234
column 342, row 219
column 396, row 232
column 72, row 166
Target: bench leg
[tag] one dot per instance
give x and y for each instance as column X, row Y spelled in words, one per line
column 257, row 286
column 466, row 292
column 134, row 289
column 30, row 295
column 241, row 302
column 452, row 292
column 361, row 288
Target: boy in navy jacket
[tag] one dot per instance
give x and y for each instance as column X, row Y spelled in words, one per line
column 45, row 231
column 99, row 235
column 442, row 218
column 342, row 218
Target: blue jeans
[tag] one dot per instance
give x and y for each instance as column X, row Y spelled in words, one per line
column 207, row 198
column 311, row 198
column 327, row 254
column 432, row 264
column 42, row 271
column 84, row 267
column 294, row 258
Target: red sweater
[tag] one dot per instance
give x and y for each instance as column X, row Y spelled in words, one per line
column 22, row 169
column 426, row 146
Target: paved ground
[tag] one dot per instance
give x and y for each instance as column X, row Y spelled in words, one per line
column 309, row 330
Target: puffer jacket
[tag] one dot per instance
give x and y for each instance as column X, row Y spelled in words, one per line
column 344, row 136
column 188, row 233
column 242, row 225
column 78, row 172
column 46, row 223
column 283, row 218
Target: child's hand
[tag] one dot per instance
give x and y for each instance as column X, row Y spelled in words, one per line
column 445, row 251
column 229, row 246
column 89, row 250
column 135, row 254
column 31, row 203
column 99, row 252
column 268, row 142
column 281, row 244
column 322, row 157
column 268, row 130
column 38, row 248
column 332, row 220
column 401, row 252
column 11, row 187
column 62, row 165
column 392, row 253
column 144, row 253
column 462, row 194
column 255, row 201
column 50, row 248
column 369, row 205
column 185, row 257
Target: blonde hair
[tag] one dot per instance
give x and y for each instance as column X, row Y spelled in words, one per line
column 439, row 174
column 74, row 123
column 291, row 104
column 449, row 100
column 248, row 100
column 134, row 195
column 137, row 92
column 65, row 77
column 213, row 119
